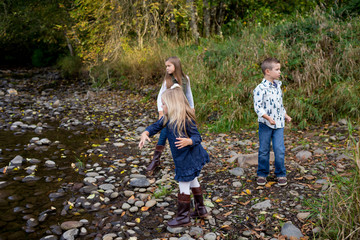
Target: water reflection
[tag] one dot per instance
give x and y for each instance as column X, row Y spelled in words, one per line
column 25, row 206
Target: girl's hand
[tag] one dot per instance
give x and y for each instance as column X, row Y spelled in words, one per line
column 183, row 142
column 144, row 137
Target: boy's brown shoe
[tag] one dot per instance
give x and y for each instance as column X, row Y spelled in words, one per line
column 261, row 181
column 282, row 181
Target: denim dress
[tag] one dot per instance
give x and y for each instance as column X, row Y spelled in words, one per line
column 188, row 160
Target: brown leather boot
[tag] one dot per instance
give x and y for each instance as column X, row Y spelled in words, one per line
column 183, row 212
column 155, row 161
column 200, row 209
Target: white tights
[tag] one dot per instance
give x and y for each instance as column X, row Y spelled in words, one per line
column 185, row 186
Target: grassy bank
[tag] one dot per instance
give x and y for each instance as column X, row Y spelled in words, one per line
column 320, row 69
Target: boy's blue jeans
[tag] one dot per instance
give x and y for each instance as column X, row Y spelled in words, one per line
column 266, row 134
column 162, row 138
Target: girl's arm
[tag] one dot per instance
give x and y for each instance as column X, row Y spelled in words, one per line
column 155, row 127
column 193, row 140
column 188, row 93
column 162, row 90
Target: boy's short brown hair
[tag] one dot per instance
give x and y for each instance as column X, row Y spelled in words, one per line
column 268, row 64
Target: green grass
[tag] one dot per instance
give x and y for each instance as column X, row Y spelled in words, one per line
column 338, row 212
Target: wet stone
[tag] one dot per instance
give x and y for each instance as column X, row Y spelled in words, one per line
column 30, row 178
column 50, row 164
column 70, row 225
column 56, row 195
column 17, row 161
column 32, row 222
column 49, row 237
column 70, row 234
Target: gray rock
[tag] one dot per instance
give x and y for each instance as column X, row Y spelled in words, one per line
column 32, row 222
column 246, row 233
column 248, row 160
column 237, row 184
column 140, row 129
column 210, row 236
column 319, row 151
column 107, row 186
column 50, row 164
column 128, row 193
column 303, row 215
column 56, row 195
column 89, row 180
column 139, row 204
column 196, row 232
column 70, row 234
column 342, row 122
column 262, row 205
column 139, row 182
column 3, row 184
column 291, row 230
column 109, row 236
column 70, row 225
column 176, row 229
column 126, row 206
column 30, row 178
column 134, row 209
column 316, row 230
column 237, row 171
column 303, row 155
column 17, row 161
column 150, row 203
column 49, row 237
column 31, row 169
column 186, row 237
column 343, row 156
column 45, row 141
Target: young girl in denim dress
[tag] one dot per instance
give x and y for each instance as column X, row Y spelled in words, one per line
column 188, row 154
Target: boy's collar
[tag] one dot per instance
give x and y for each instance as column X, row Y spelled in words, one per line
column 271, row 84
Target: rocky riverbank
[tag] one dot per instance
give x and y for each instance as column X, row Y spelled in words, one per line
column 76, row 150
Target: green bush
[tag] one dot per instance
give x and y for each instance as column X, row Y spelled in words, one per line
column 70, row 66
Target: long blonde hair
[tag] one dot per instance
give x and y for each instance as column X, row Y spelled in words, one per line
column 178, row 73
column 179, row 111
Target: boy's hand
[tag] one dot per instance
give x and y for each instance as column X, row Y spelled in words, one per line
column 287, row 118
column 267, row 117
column 272, row 122
column 144, row 137
column 183, row 142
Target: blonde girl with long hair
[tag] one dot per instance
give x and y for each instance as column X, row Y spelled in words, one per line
column 174, row 75
column 188, row 154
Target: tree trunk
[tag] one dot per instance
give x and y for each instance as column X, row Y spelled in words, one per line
column 219, row 18
column 206, row 18
column 172, row 23
column 69, row 44
column 193, row 22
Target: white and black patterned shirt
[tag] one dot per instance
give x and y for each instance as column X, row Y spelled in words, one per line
column 268, row 100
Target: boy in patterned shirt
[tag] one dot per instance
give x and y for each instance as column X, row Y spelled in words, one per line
column 268, row 104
